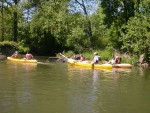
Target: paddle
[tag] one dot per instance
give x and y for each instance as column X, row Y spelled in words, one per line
column 68, row 58
column 63, row 56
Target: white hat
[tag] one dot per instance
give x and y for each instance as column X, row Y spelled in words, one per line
column 16, row 52
column 95, row 53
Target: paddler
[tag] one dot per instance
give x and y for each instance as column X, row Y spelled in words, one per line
column 15, row 55
column 96, row 58
column 28, row 56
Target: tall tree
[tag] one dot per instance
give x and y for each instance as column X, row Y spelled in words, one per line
column 84, row 6
column 117, row 11
column 99, row 29
column 2, row 13
column 136, row 34
column 15, row 14
column 14, row 5
column 48, row 25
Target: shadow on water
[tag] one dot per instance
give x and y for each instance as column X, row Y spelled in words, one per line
column 26, row 66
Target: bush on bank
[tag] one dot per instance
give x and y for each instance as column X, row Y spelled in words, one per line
column 13, row 45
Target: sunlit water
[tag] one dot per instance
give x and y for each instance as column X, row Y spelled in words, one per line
column 58, row 88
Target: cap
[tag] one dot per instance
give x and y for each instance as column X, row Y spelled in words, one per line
column 95, row 53
column 16, row 52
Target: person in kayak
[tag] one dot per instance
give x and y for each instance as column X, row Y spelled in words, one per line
column 117, row 58
column 82, row 58
column 96, row 58
column 112, row 61
column 28, row 56
column 15, row 55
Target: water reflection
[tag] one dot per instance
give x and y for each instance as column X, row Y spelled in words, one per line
column 26, row 66
column 95, row 87
column 16, row 91
column 101, row 73
column 117, row 72
column 144, row 72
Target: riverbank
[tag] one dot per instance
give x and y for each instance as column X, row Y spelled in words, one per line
column 2, row 57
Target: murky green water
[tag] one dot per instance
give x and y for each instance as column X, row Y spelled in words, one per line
column 56, row 88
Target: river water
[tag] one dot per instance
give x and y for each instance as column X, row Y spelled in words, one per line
column 53, row 87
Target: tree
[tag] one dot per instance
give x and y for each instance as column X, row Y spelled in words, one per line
column 15, row 15
column 6, row 21
column 83, row 6
column 136, row 34
column 99, row 29
column 117, row 11
column 48, row 26
column 12, row 7
column 2, row 13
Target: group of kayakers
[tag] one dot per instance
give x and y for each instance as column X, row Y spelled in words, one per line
column 97, row 59
column 28, row 56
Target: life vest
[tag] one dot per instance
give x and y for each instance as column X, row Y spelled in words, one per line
column 97, row 59
column 117, row 60
column 82, row 59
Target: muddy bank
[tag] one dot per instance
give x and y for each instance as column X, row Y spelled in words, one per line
column 3, row 57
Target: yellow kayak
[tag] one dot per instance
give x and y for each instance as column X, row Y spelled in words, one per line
column 89, row 65
column 21, row 60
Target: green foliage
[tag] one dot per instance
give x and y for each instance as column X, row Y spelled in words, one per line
column 23, row 47
column 104, row 54
column 77, row 37
column 113, row 34
column 99, row 29
column 50, row 26
column 7, row 20
column 68, row 53
column 117, row 11
column 48, row 29
column 9, row 44
column 14, row 45
column 132, row 59
column 136, row 35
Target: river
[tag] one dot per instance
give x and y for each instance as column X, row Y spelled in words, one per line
column 52, row 87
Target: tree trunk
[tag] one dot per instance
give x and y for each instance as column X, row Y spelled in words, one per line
column 15, row 26
column 88, row 24
column 15, row 21
column 2, row 12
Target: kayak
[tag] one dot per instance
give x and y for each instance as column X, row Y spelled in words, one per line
column 89, row 65
column 97, row 66
column 21, row 60
column 123, row 65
